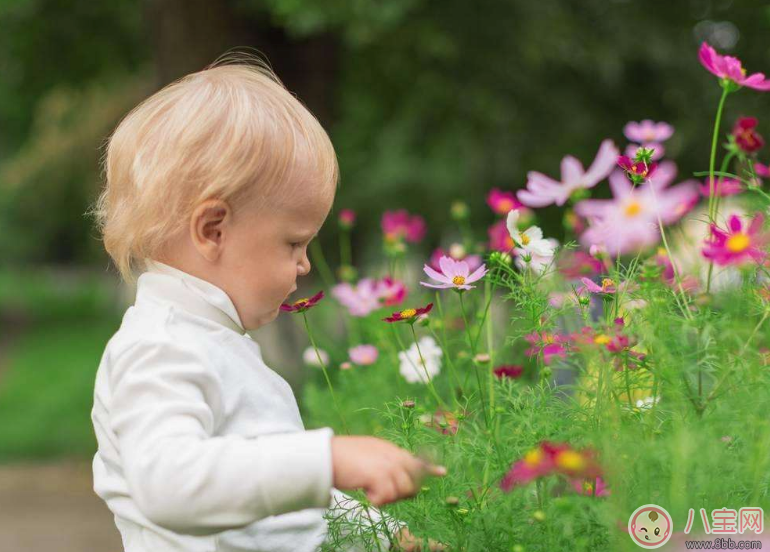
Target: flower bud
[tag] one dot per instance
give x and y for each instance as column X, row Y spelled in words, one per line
column 459, row 210
column 452, row 501
column 408, row 403
column 481, row 358
column 538, row 515
column 346, row 366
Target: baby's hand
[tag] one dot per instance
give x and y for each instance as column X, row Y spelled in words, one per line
column 386, row 473
column 407, row 542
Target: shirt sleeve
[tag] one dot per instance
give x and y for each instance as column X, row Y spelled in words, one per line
column 165, row 403
column 363, row 523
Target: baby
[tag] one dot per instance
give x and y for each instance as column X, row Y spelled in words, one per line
column 215, row 185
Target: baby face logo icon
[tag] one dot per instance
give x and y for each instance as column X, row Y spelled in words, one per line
column 650, row 526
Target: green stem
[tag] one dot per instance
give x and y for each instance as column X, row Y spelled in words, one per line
column 326, row 374
column 428, row 380
column 475, row 368
column 712, row 159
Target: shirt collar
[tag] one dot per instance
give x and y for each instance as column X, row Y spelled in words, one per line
column 189, row 293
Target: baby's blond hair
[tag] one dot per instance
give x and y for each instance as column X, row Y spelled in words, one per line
column 231, row 131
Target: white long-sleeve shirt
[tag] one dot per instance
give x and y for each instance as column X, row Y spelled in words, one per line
column 201, row 447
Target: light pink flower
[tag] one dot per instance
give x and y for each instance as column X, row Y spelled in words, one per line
column 658, row 150
column 575, row 264
column 729, row 68
column 551, row 345
column 400, row 225
column 629, row 221
column 736, row 245
column 725, row 187
column 369, row 295
column 543, row 190
column 474, row 261
column 608, row 286
column 454, row 274
column 648, row 131
column 363, row 355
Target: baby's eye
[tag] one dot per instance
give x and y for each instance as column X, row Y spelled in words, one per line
column 657, row 530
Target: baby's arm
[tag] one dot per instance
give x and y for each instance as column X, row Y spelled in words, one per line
column 180, row 474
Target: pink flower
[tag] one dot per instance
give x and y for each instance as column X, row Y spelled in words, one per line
column 763, row 171
column 729, row 68
column 629, row 221
column 688, row 282
column 725, row 187
column 303, row 304
column 543, row 190
column 456, row 253
column 551, row 345
column 658, row 150
column 454, row 274
column 736, row 245
column 501, row 202
column 508, row 371
column 746, row 136
column 499, row 237
column 575, row 264
column 363, row 355
column 608, row 286
column 400, row 225
column 648, row 131
column 636, row 168
column 369, row 295
column 586, row 487
column 347, row 218
column 551, row 458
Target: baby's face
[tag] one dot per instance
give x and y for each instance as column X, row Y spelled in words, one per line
column 265, row 253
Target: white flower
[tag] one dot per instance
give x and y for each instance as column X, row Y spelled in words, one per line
column 411, row 367
column 646, row 403
column 310, row 358
column 531, row 240
column 533, row 260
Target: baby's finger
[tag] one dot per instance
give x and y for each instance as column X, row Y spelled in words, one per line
column 384, row 492
column 405, row 484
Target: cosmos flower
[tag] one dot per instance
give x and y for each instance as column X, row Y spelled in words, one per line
column 458, row 253
column 657, row 149
column 638, row 169
column 534, row 261
column 443, row 421
column 762, row 171
column 502, row 202
column 551, row 458
column 303, row 304
column 508, row 371
column 551, row 345
column 499, row 237
column 608, row 286
column 576, row 264
column 543, row 190
column 454, row 275
column 531, row 240
column 347, row 218
column 363, row 355
column 648, row 131
column 409, row 315
column 411, row 367
column 736, row 245
column 400, row 225
column 725, row 187
column 369, row 295
column 730, row 70
column 310, row 357
column 586, row 487
column 746, row 136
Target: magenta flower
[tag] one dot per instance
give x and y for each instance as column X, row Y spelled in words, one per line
column 501, row 202
column 409, row 315
column 369, row 295
column 658, row 150
column 736, row 245
column 763, row 171
column 363, row 355
column 725, row 187
column 648, row 131
column 608, row 286
column 638, row 169
column 456, row 252
column 347, row 218
column 499, row 237
column 551, row 345
column 746, row 136
column 400, row 225
column 575, row 264
column 543, row 190
column 629, row 221
column 729, row 69
column 303, row 304
column 454, row 274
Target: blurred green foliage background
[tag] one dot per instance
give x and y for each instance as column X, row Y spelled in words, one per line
column 426, row 102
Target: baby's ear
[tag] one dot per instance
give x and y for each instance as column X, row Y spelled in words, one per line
column 207, row 227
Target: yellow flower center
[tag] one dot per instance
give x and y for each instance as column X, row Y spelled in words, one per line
column 571, row 461
column 458, row 280
column 301, row 302
column 548, row 338
column 738, row 242
column 607, row 282
column 408, row 313
column 524, row 239
column 533, row 457
column 588, row 488
column 602, row 339
column 505, row 205
column 662, row 252
column 633, row 209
